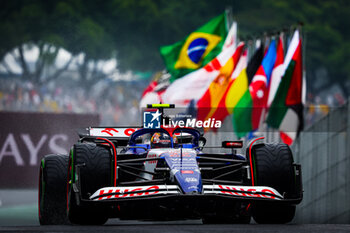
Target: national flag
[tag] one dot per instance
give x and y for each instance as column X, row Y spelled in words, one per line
column 197, row 49
column 208, row 104
column 277, row 72
column 242, row 111
column 193, row 85
column 238, row 84
column 286, row 110
column 259, row 85
column 153, row 92
column 255, row 62
column 231, row 38
column 150, row 87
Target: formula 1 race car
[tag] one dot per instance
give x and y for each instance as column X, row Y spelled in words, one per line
column 165, row 174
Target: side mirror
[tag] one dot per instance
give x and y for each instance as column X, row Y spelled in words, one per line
column 232, row 144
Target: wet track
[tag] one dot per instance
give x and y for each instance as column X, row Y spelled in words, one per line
column 18, row 213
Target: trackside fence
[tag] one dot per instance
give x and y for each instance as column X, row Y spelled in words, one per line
column 323, row 151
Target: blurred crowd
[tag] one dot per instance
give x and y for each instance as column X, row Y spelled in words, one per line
column 115, row 102
column 318, row 106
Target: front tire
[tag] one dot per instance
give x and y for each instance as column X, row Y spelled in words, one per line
column 273, row 166
column 95, row 173
column 52, row 190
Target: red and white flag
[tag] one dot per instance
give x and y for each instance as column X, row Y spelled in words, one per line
column 193, row 85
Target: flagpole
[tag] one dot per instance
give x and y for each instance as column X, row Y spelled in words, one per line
column 229, row 17
column 303, row 41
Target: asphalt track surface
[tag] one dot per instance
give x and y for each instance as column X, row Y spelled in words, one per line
column 18, row 213
column 180, row 227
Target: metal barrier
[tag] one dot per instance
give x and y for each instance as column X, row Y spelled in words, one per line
column 323, row 151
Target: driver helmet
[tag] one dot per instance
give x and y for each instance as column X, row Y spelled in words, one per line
column 160, row 140
column 175, row 141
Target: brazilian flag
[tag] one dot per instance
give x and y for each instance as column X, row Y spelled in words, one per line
column 197, row 49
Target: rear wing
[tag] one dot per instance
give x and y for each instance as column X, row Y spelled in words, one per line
column 120, row 132
column 108, row 132
column 120, row 135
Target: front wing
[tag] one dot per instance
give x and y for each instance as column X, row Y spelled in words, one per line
column 136, row 192
column 170, row 203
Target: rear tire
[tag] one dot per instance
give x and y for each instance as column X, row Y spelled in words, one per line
column 95, row 173
column 273, row 165
column 52, row 197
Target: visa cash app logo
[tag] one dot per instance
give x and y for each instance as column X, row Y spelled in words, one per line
column 151, row 119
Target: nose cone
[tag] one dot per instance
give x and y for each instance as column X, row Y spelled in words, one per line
column 190, row 180
column 185, row 170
